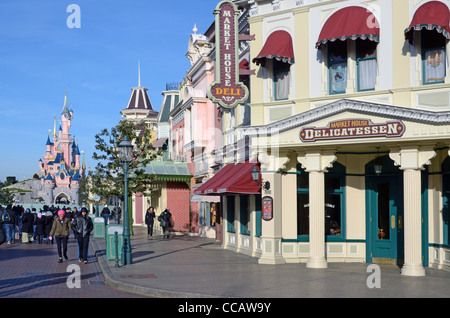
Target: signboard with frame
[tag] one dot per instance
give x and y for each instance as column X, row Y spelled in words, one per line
column 227, row 91
column 267, row 208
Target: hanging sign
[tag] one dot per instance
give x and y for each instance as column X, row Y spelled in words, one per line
column 227, row 91
column 353, row 128
column 267, row 208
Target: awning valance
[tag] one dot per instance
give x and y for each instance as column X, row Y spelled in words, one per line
column 232, row 179
column 278, row 46
column 433, row 15
column 350, row 23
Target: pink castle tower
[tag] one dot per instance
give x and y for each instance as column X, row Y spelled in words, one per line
column 60, row 169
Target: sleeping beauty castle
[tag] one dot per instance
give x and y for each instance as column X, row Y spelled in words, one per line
column 60, row 168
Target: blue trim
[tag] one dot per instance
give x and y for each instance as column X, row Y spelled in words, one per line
column 258, row 216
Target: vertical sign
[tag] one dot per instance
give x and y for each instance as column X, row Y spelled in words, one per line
column 267, row 208
column 227, row 91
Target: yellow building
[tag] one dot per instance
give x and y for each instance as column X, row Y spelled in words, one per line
column 350, row 113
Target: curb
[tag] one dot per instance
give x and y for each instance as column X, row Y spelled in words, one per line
column 113, row 281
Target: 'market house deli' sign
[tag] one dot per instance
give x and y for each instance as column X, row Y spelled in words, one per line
column 227, row 91
column 353, row 128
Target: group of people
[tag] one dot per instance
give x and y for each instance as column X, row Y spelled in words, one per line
column 48, row 225
column 165, row 219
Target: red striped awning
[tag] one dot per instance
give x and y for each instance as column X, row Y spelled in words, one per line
column 433, row 15
column 350, row 23
column 232, row 179
column 278, row 46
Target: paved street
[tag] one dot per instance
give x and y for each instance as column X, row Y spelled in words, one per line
column 33, row 271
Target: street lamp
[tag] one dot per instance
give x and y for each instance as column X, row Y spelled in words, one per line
column 126, row 157
column 378, row 164
column 255, row 176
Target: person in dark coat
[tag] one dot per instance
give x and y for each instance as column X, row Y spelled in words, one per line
column 2, row 230
column 9, row 223
column 149, row 220
column 105, row 214
column 40, row 224
column 48, row 225
column 165, row 221
column 83, row 226
column 27, row 226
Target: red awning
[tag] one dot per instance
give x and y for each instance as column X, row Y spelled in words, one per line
column 209, row 187
column 350, row 23
column 240, row 181
column 278, row 46
column 232, row 179
column 433, row 15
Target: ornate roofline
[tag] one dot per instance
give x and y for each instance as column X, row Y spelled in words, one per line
column 345, row 105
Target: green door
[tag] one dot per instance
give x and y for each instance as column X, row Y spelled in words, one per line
column 385, row 220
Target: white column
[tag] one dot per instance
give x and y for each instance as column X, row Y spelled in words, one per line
column 412, row 223
column 317, row 163
column 317, row 220
column 411, row 160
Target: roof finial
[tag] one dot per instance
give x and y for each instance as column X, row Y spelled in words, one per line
column 139, row 72
column 195, row 30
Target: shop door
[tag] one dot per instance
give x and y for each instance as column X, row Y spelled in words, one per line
column 385, row 240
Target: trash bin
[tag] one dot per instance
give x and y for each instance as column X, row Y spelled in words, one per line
column 99, row 228
column 110, row 244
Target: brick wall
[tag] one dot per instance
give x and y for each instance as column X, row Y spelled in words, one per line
column 178, row 198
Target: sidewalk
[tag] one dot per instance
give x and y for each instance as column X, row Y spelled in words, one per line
column 194, row 267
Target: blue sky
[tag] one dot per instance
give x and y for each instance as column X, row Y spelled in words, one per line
column 98, row 63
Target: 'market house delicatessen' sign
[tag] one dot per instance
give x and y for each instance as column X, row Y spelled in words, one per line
column 353, row 128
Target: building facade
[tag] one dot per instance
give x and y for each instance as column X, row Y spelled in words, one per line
column 350, row 125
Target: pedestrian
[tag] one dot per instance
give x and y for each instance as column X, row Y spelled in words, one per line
column 105, row 213
column 165, row 221
column 149, row 220
column 83, row 226
column 40, row 224
column 48, row 225
column 27, row 226
column 9, row 224
column 60, row 231
column 2, row 232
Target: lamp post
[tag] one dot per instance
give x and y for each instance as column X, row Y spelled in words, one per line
column 256, row 176
column 126, row 157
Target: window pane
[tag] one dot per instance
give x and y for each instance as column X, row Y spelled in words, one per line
column 332, row 214
column 367, row 74
column 383, row 211
column 435, row 66
column 282, row 84
column 303, row 214
column 338, row 78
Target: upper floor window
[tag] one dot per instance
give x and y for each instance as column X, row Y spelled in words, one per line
column 433, row 57
column 367, row 65
column 281, row 80
column 337, row 65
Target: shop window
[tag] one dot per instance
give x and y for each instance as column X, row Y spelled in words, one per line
column 446, row 201
column 281, row 80
column 366, row 59
column 433, row 57
column 230, row 214
column 245, row 214
column 334, row 202
column 337, row 65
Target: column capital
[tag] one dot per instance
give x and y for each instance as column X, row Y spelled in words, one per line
column 412, row 157
column 317, row 161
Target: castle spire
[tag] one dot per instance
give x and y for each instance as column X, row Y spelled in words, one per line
column 65, row 111
column 55, row 135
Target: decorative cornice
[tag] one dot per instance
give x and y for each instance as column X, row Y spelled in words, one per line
column 344, row 105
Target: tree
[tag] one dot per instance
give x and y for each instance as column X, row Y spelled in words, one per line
column 107, row 179
column 6, row 195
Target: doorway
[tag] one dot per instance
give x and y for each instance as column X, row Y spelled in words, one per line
column 384, row 206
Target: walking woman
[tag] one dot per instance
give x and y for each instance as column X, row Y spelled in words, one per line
column 83, row 226
column 149, row 220
column 60, row 231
